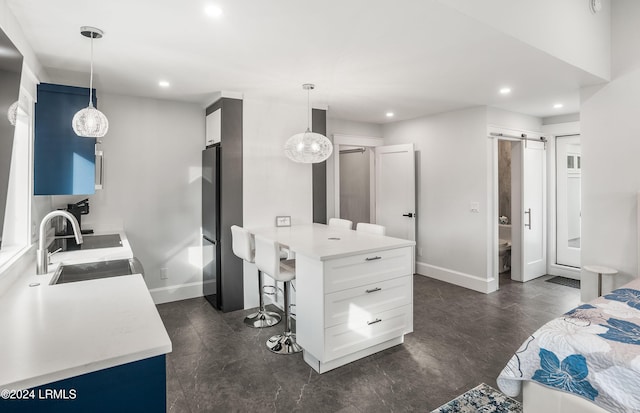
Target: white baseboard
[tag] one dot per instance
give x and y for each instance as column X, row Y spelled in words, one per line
column 564, row 271
column 461, row 279
column 176, row 292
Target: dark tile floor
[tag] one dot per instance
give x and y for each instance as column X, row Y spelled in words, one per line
column 461, row 338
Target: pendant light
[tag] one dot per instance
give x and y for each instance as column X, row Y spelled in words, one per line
column 90, row 122
column 308, row 147
column 12, row 113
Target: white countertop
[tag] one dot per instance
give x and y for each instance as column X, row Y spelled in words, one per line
column 319, row 241
column 53, row 332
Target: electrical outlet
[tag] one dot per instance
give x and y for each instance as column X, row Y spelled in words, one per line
column 163, row 274
column 475, row 207
column 419, row 252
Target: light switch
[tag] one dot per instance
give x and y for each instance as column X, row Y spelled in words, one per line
column 475, row 207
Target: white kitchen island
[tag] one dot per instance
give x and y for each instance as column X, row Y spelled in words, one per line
column 354, row 291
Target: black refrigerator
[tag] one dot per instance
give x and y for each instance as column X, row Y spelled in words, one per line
column 211, row 251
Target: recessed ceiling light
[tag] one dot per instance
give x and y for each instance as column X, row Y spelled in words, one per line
column 558, row 106
column 164, row 83
column 389, row 114
column 505, row 90
column 213, row 11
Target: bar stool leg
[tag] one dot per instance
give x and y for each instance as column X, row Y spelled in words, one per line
column 285, row 343
column 262, row 318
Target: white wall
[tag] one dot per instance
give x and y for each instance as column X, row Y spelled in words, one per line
column 344, row 127
column 454, row 168
column 349, row 127
column 272, row 184
column 560, row 28
column 610, row 148
column 452, row 164
column 152, row 188
column 512, row 120
column 560, row 119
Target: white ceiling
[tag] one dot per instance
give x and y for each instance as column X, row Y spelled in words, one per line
column 366, row 57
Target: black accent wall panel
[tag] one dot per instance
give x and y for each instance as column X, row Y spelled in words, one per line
column 231, row 278
column 319, row 171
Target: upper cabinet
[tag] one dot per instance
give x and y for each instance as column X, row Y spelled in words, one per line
column 213, row 127
column 64, row 163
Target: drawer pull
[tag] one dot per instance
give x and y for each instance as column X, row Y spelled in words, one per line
column 373, row 290
column 373, row 258
column 377, row 320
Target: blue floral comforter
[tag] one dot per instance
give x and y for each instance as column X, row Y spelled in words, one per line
column 592, row 351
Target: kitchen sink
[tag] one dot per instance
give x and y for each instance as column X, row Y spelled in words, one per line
column 68, row 243
column 95, row 270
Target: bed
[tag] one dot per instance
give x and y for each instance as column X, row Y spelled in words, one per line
column 591, row 355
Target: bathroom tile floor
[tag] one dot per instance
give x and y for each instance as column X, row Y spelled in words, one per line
column 461, row 338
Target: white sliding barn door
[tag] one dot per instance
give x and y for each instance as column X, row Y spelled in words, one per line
column 534, row 250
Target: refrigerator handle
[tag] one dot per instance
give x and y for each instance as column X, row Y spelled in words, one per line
column 209, row 239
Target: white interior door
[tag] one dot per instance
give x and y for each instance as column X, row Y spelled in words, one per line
column 568, row 206
column 534, row 251
column 396, row 190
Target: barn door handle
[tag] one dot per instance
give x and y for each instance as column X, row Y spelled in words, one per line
column 410, row 215
column 528, row 211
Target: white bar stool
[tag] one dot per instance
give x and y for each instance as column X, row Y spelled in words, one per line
column 243, row 247
column 341, row 223
column 371, row 228
column 600, row 270
column 268, row 261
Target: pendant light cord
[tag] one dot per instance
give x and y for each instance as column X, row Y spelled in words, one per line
column 91, row 75
column 309, row 110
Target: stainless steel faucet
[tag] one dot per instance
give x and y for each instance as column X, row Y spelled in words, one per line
column 42, row 258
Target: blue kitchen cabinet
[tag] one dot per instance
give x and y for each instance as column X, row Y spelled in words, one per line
column 139, row 386
column 64, row 163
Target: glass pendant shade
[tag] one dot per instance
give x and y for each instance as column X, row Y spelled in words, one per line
column 308, row 147
column 90, row 123
column 12, row 113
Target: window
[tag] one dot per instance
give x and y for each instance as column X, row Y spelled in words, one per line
column 16, row 233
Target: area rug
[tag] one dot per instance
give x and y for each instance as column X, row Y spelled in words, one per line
column 483, row 398
column 569, row 282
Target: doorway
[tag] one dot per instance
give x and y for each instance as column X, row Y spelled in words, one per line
column 356, row 165
column 390, row 179
column 568, row 200
column 508, row 190
column 520, row 208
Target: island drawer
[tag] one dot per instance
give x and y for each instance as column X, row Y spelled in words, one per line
column 363, row 269
column 355, row 303
column 351, row 337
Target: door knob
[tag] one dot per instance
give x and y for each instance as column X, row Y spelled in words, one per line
column 410, row 215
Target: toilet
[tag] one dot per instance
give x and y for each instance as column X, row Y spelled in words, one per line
column 504, row 247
